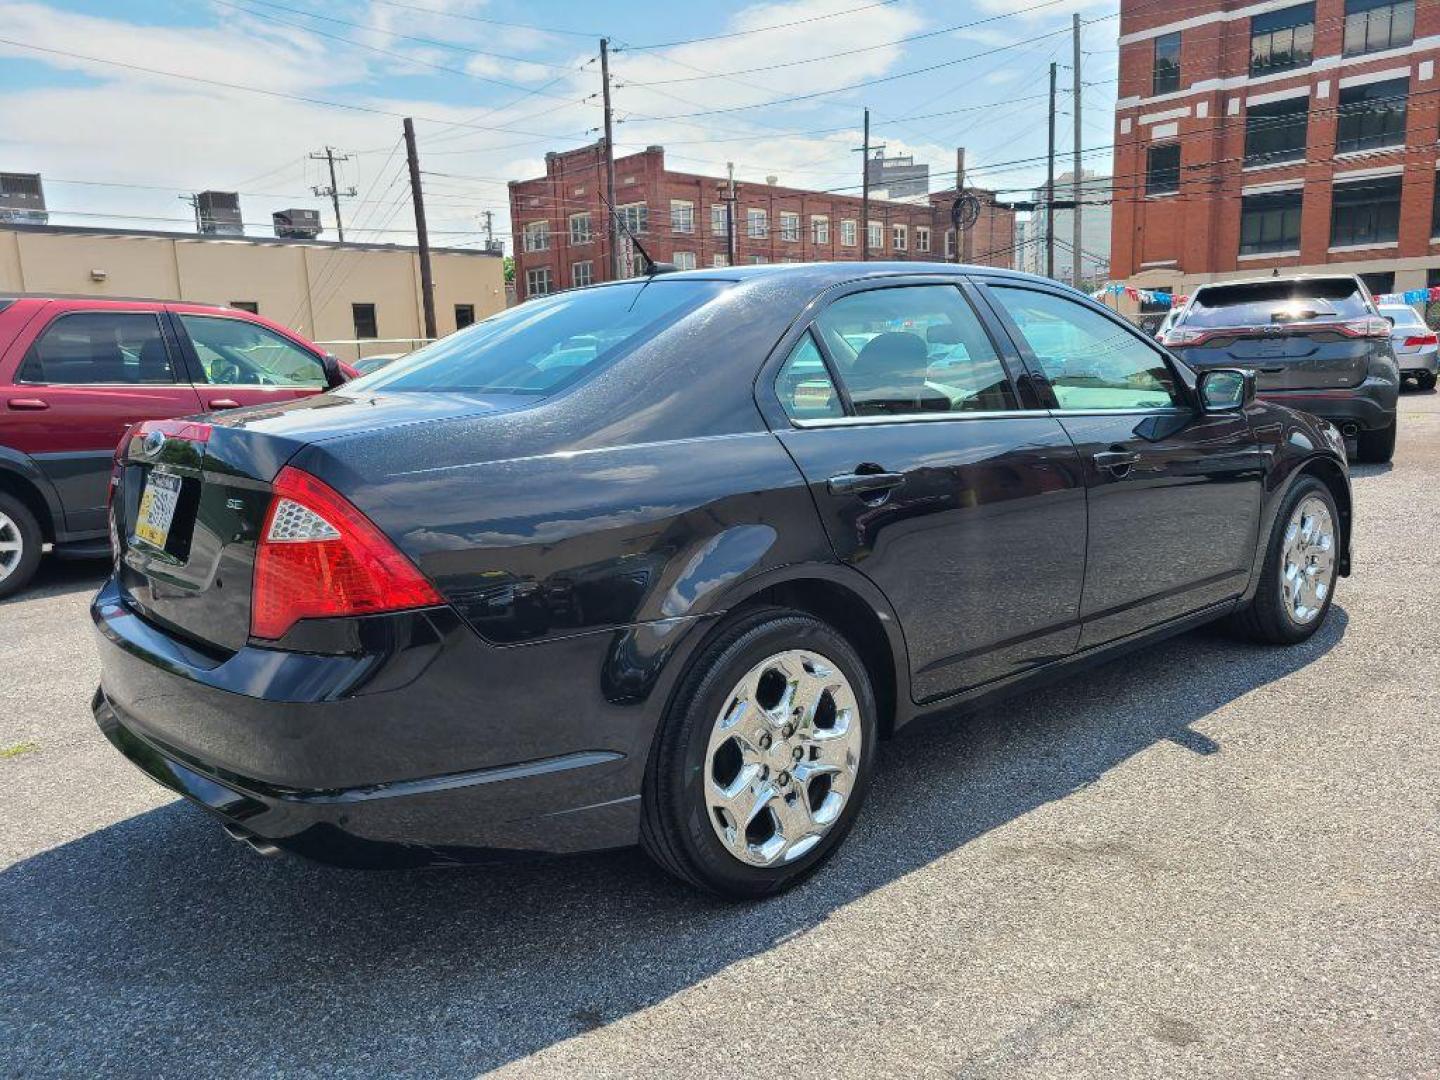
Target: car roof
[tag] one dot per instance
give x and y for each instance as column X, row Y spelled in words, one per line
column 827, row 273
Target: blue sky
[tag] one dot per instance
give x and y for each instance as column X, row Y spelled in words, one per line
column 92, row 95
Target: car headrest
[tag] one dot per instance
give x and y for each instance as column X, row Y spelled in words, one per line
column 946, row 333
column 889, row 376
column 154, row 363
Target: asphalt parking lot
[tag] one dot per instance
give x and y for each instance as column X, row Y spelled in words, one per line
column 1207, row 859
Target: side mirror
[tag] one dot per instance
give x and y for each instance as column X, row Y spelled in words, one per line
column 1226, row 389
column 333, row 375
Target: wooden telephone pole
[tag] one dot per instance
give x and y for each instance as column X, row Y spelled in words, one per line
column 422, row 234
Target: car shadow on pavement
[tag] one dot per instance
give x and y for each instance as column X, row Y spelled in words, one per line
column 157, row 946
column 61, row 577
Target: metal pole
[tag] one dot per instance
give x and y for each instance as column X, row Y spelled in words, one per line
column 1050, row 187
column 1076, row 259
column 614, row 230
column 422, row 235
column 730, row 212
column 865, row 193
column 335, row 194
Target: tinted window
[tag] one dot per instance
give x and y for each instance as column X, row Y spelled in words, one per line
column 1267, row 302
column 1371, row 25
column 547, row 342
column 1162, row 169
column 363, row 316
column 914, row 349
column 1166, row 76
column 1270, row 222
column 804, row 385
column 1280, row 40
column 1372, row 116
column 1365, row 212
column 1276, row 132
column 100, row 347
column 1091, row 360
column 233, row 352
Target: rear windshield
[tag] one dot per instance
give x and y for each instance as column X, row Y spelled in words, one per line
column 547, row 343
column 1263, row 303
column 1404, row 315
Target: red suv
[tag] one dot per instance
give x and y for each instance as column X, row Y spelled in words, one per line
column 76, row 372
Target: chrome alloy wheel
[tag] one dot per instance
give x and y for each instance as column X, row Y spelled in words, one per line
column 782, row 758
column 12, row 546
column 1307, row 563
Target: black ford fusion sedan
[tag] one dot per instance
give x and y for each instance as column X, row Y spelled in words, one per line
column 662, row 560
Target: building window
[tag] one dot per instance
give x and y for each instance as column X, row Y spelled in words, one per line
column 1372, row 25
column 582, row 274
column 1379, row 282
column 1371, row 116
column 720, row 260
column 757, row 225
column 537, row 236
column 464, row 315
column 580, row 228
column 848, row 233
column 899, row 238
column 364, row 319
column 1280, row 40
column 820, row 229
column 922, row 238
column 252, row 306
column 1165, row 75
column 537, row 281
column 1365, row 212
column 636, row 217
column 719, row 220
column 1270, row 222
column 684, row 260
column 1162, row 169
column 789, row 226
column 1276, row 131
column 949, row 243
column 682, row 216
column 875, row 236
column 758, row 259
column 1435, row 212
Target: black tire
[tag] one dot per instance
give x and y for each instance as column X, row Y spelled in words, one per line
column 1425, row 380
column 1266, row 618
column 675, row 829
column 27, row 531
column 1376, row 447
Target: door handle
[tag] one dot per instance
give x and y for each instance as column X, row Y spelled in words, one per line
column 224, row 403
column 863, row 483
column 28, row 404
column 1272, row 370
column 1117, row 461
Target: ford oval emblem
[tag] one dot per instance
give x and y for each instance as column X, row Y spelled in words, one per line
column 153, row 443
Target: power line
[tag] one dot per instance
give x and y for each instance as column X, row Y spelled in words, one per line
column 760, row 29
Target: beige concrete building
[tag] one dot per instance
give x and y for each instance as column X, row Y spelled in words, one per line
column 359, row 299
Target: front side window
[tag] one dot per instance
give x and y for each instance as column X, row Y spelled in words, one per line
column 1165, row 77
column 537, row 281
column 1276, row 131
column 1162, row 169
column 580, row 228
column 915, row 349
column 100, row 347
column 238, row 353
column 582, row 274
column 682, row 216
column 757, row 224
column 1270, row 222
column 1365, row 212
column 1091, row 360
column 804, row 385
column 848, row 233
column 789, row 226
column 538, row 347
column 820, row 230
column 1281, row 40
column 537, row 236
column 636, row 217
column 1372, row 116
column 1372, row 25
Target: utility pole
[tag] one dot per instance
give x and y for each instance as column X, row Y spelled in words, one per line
column 422, row 235
column 1050, row 187
column 489, row 229
column 1075, row 253
column 614, row 228
column 730, row 211
column 333, row 192
column 865, row 190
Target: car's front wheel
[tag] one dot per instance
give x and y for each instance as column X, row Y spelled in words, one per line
column 20, row 542
column 1297, row 584
column 763, row 758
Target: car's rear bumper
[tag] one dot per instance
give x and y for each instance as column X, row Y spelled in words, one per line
column 441, row 749
column 1369, row 406
column 1422, row 360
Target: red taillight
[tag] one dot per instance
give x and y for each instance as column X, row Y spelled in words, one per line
column 189, row 430
column 320, row 558
column 1373, row 327
column 1422, row 339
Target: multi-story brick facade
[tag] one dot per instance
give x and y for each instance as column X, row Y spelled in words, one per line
column 1301, row 136
column 558, row 222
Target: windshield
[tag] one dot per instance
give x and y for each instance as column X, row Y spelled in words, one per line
column 1265, row 303
column 547, row 343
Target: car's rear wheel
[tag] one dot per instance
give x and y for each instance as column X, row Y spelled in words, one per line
column 20, row 543
column 1376, row 447
column 1425, row 380
column 1297, row 583
column 763, row 758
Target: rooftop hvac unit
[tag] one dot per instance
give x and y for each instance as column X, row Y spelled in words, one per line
column 297, row 224
column 218, row 213
column 22, row 199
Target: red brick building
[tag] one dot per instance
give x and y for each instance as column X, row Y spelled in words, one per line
column 558, row 222
column 1276, row 134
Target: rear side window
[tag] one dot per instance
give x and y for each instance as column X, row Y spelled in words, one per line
column 1090, row 360
column 804, row 385
column 915, row 349
column 234, row 352
column 546, row 343
column 100, row 347
column 1263, row 303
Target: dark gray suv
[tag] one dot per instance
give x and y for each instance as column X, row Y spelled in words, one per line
column 1316, row 343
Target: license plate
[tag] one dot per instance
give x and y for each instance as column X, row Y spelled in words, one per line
column 157, row 508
